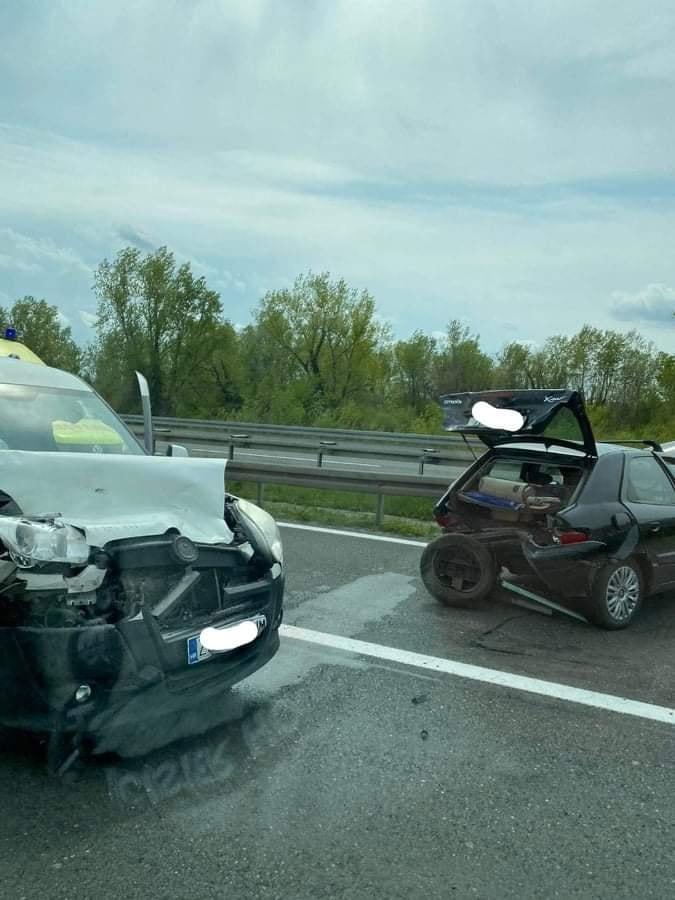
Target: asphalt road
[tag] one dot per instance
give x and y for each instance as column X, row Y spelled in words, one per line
column 343, row 775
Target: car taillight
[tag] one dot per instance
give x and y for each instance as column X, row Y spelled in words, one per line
column 445, row 519
column 571, row 537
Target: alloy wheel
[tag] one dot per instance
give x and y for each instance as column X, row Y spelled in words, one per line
column 622, row 593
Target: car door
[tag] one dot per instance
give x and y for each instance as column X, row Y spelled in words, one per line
column 649, row 493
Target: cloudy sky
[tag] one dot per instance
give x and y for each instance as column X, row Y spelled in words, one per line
column 507, row 163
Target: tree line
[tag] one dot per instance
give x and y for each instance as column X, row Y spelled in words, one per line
column 317, row 354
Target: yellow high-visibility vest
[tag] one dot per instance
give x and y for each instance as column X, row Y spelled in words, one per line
column 85, row 433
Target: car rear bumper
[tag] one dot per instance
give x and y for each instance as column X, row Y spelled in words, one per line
column 137, row 674
column 566, row 571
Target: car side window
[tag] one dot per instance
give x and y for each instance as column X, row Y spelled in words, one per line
column 648, row 483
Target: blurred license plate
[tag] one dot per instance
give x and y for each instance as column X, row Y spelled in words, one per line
column 196, row 653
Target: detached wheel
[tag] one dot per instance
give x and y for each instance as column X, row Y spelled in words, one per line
column 458, row 570
column 616, row 596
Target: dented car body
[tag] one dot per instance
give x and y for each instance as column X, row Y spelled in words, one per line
column 586, row 524
column 114, row 566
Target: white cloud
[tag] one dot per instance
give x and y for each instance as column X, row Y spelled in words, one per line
column 136, row 237
column 434, row 89
column 653, row 303
column 20, row 265
column 88, row 318
column 453, row 153
column 30, row 254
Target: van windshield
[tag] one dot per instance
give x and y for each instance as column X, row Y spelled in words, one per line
column 59, row 420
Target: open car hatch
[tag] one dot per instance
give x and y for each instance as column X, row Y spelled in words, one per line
column 540, row 416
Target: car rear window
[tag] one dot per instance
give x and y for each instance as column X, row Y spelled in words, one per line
column 537, row 474
column 518, row 489
column 565, row 426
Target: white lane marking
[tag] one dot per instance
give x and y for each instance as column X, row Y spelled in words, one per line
column 252, row 453
column 565, row 692
column 336, row 462
column 353, row 534
column 274, row 456
column 352, row 462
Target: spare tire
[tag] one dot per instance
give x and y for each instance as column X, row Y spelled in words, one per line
column 458, row 570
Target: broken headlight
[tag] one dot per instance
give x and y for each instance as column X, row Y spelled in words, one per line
column 33, row 543
column 261, row 530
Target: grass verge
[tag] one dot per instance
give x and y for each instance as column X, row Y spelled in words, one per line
column 404, row 516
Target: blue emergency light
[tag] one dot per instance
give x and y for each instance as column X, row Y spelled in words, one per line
column 10, row 334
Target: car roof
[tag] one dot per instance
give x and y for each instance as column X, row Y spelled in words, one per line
column 15, row 371
column 557, row 449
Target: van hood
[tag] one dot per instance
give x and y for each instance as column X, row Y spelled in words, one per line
column 538, row 408
column 112, row 497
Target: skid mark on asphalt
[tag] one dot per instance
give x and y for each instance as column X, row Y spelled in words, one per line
column 570, row 694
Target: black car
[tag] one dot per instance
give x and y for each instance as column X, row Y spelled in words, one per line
column 588, row 525
column 134, row 590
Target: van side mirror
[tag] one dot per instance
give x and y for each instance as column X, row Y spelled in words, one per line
column 148, row 437
column 176, row 450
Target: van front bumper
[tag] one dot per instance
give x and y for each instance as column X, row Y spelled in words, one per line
column 130, row 676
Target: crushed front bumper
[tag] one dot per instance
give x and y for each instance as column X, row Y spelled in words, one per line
column 137, row 673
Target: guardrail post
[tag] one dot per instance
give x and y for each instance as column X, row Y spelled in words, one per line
column 429, row 454
column 261, row 493
column 379, row 509
column 233, row 438
column 323, row 448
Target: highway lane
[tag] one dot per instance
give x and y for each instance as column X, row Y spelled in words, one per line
column 345, row 776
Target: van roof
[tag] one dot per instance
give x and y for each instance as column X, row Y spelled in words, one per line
column 9, row 349
column 16, row 371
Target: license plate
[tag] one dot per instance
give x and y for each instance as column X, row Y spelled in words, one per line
column 196, row 653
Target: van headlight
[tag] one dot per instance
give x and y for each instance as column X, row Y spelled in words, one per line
column 33, row 543
column 261, row 530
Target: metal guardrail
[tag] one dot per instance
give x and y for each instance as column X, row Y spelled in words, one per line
column 302, row 431
column 363, row 482
column 325, row 443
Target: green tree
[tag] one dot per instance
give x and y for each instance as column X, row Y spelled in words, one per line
column 414, row 370
column 321, row 336
column 39, row 327
column 512, row 367
column 154, row 316
column 665, row 377
column 461, row 365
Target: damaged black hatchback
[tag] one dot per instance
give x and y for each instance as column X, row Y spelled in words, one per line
column 134, row 591
column 546, row 508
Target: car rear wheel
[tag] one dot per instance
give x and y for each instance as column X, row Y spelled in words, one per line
column 616, row 595
column 458, row 570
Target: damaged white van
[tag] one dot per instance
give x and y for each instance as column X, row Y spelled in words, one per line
column 133, row 589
